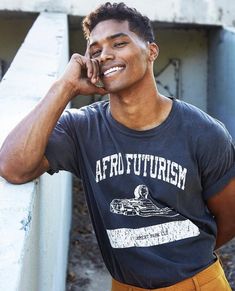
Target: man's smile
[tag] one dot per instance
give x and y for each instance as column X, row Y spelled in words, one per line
column 111, row 71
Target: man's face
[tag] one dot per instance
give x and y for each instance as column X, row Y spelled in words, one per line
column 123, row 56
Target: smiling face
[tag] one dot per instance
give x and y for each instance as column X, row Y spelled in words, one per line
column 124, row 57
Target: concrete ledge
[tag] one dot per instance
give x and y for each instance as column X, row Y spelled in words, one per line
column 208, row 12
column 39, row 61
column 16, row 205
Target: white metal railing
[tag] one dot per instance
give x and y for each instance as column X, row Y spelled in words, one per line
column 34, row 217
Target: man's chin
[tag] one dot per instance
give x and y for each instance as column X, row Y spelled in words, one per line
column 114, row 88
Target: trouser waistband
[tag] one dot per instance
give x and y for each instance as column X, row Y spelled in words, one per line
column 192, row 283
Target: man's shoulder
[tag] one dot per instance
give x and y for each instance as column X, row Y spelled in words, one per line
column 198, row 118
column 84, row 112
column 206, row 128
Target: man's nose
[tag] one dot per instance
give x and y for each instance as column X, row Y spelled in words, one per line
column 106, row 54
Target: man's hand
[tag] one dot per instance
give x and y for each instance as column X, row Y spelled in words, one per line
column 22, row 154
column 82, row 73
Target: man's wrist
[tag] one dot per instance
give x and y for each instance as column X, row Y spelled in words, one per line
column 66, row 88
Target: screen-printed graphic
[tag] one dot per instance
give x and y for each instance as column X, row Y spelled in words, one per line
column 140, row 205
column 175, row 229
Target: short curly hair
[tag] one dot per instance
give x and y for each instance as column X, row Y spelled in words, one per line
column 119, row 11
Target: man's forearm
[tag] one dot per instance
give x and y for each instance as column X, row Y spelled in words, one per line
column 22, row 154
column 24, row 147
column 225, row 233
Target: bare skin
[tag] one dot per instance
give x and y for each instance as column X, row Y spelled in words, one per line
column 124, row 63
column 222, row 206
column 22, row 154
column 134, row 98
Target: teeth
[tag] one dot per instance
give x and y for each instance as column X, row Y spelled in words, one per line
column 114, row 69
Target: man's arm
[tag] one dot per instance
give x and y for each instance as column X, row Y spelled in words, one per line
column 222, row 206
column 22, row 153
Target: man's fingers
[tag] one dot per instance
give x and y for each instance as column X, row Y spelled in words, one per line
column 93, row 70
column 101, row 91
column 84, row 73
column 93, row 89
column 96, row 71
column 89, row 66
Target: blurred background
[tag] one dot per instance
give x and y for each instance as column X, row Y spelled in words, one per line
column 196, row 64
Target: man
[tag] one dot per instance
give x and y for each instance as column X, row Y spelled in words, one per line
column 158, row 173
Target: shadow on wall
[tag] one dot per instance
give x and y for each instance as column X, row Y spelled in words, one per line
column 14, row 27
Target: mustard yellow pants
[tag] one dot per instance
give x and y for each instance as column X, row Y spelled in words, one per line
column 210, row 279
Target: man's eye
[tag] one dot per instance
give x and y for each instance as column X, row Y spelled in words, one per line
column 95, row 54
column 120, row 44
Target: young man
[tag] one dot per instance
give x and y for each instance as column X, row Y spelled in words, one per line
column 158, row 173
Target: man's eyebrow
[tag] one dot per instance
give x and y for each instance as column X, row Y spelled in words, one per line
column 117, row 35
column 113, row 36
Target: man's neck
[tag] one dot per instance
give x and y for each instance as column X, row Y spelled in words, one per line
column 140, row 109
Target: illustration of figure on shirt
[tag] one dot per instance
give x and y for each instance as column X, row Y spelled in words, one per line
column 141, row 205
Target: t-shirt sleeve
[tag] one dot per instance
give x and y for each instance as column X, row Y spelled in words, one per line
column 62, row 148
column 216, row 159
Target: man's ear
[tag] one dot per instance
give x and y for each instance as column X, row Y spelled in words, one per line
column 153, row 51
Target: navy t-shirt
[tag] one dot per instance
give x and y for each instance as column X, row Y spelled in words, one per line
column 147, row 190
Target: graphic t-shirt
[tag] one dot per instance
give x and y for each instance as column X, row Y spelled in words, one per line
column 147, row 190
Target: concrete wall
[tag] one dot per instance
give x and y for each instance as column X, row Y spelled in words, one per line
column 30, row 257
column 34, row 217
column 213, row 12
column 13, row 29
column 221, row 99
column 190, row 47
column 16, row 233
column 55, row 222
